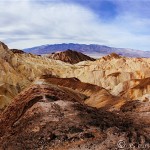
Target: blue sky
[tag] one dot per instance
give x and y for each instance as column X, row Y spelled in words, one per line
column 117, row 23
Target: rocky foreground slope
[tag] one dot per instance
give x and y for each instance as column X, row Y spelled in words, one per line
column 45, row 116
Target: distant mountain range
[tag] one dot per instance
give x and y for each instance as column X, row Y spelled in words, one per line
column 92, row 50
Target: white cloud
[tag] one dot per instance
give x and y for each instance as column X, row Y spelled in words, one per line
column 25, row 23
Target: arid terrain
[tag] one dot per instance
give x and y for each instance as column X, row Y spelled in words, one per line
column 70, row 101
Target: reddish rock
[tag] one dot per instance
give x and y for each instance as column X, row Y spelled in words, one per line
column 46, row 116
column 70, row 56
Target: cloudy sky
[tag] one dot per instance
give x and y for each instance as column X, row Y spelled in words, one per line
column 117, row 23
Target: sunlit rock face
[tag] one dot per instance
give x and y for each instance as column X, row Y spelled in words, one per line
column 118, row 76
column 19, row 69
column 11, row 81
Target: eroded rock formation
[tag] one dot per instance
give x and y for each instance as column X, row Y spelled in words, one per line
column 45, row 116
column 49, row 104
column 70, row 56
column 120, row 76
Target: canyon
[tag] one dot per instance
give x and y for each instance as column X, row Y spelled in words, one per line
column 67, row 100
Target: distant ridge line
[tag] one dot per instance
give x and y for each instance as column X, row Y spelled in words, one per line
column 88, row 49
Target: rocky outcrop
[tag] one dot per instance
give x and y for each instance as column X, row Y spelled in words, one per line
column 138, row 111
column 7, row 93
column 111, row 56
column 70, row 56
column 116, row 74
column 4, row 52
column 96, row 96
column 17, row 51
column 3, row 46
column 11, row 81
column 134, row 89
column 45, row 116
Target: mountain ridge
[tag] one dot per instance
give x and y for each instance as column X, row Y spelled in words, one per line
column 91, row 50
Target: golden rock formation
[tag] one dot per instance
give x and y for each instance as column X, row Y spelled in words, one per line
column 118, row 75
